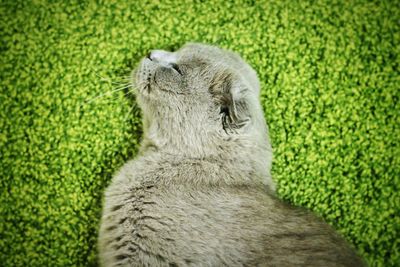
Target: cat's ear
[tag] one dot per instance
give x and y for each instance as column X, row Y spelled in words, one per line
column 228, row 94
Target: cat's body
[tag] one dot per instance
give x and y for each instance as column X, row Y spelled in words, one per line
column 200, row 192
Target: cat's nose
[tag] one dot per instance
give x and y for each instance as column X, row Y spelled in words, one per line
column 162, row 57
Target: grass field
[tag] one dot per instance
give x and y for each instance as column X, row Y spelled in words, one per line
column 330, row 80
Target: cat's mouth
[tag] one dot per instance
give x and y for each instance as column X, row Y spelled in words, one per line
column 144, row 76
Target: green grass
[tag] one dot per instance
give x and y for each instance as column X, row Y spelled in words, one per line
column 330, row 90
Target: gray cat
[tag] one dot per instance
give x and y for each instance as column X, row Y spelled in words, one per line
column 200, row 192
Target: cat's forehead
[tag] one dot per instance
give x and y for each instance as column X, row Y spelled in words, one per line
column 196, row 54
column 207, row 55
column 201, row 52
column 215, row 58
column 200, row 49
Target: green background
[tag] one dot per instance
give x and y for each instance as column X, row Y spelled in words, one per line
column 330, row 80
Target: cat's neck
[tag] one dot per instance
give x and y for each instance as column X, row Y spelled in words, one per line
column 239, row 160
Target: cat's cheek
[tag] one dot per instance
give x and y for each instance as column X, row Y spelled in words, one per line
column 169, row 82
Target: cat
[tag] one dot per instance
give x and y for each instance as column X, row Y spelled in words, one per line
column 200, row 191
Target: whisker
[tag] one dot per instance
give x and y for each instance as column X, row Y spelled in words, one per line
column 122, row 83
column 126, row 78
column 108, row 93
column 126, row 85
column 116, row 83
column 129, row 113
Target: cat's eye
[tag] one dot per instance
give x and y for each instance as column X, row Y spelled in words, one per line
column 224, row 111
column 176, row 68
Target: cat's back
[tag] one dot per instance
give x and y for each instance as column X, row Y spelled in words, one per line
column 159, row 222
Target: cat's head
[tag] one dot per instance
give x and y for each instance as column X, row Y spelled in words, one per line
column 199, row 84
column 203, row 101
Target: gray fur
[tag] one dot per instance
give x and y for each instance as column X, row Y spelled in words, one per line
column 200, row 192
